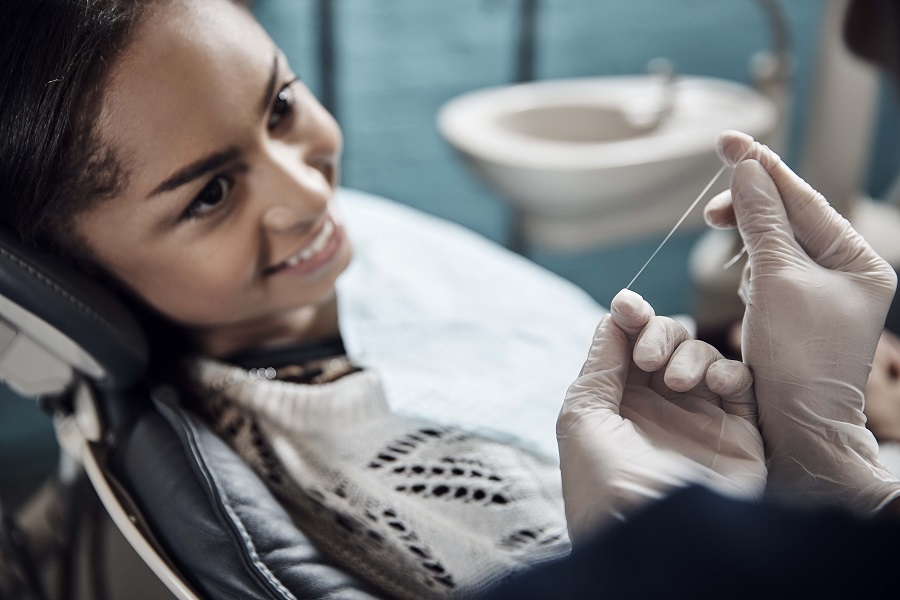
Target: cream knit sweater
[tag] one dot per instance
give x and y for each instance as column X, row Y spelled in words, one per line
column 419, row 510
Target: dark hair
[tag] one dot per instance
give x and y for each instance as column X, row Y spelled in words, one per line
column 55, row 56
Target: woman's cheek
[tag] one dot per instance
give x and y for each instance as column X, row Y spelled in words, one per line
column 883, row 404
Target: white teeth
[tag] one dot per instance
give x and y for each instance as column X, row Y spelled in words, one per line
column 314, row 247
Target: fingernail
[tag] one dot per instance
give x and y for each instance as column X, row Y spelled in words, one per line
column 731, row 146
column 628, row 303
column 629, row 309
column 629, row 297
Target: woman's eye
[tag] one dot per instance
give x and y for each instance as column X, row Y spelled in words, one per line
column 283, row 105
column 209, row 197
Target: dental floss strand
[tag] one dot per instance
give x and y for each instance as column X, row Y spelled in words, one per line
column 678, row 224
column 685, row 216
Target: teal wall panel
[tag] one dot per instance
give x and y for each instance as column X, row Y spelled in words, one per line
column 398, row 61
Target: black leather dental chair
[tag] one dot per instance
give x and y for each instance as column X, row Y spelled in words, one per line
column 193, row 511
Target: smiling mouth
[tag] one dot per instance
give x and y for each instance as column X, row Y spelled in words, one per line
column 309, row 251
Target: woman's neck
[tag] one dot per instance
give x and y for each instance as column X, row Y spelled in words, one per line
column 305, row 324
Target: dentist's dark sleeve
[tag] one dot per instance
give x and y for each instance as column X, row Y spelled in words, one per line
column 696, row 544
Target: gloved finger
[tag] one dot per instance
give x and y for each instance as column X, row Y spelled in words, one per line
column 603, row 376
column 761, row 217
column 821, row 231
column 719, row 212
column 735, row 146
column 687, row 368
column 630, row 312
column 732, row 380
column 657, row 341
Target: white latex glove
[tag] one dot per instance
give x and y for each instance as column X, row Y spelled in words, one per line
column 817, row 296
column 651, row 411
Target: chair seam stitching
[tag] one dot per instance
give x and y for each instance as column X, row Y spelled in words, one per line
column 233, row 519
column 59, row 290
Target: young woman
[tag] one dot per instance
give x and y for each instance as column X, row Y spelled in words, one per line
column 166, row 148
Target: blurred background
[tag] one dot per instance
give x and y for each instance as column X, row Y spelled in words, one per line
column 396, row 63
column 386, row 68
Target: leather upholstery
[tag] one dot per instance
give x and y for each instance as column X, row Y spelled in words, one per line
column 215, row 517
column 77, row 307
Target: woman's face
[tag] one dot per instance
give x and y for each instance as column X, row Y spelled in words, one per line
column 883, row 390
column 226, row 220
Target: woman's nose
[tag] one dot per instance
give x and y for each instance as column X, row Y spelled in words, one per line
column 283, row 218
column 297, row 193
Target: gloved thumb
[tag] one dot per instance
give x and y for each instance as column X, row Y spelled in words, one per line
column 589, row 414
column 825, row 236
column 603, row 376
column 760, row 213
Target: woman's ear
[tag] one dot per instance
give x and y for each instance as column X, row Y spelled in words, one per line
column 89, row 268
column 77, row 256
column 72, row 247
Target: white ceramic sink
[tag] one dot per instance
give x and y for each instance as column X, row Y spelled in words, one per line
column 589, row 162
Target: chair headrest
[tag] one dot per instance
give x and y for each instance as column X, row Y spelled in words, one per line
column 69, row 315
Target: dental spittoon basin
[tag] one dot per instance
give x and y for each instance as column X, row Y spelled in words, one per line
column 585, row 164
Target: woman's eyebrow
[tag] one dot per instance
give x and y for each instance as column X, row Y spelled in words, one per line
column 217, row 160
column 197, row 169
column 270, row 88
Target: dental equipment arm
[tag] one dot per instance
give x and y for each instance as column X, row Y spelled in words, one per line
column 653, row 411
column 816, row 296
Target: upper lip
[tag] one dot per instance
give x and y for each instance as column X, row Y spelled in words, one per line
column 306, row 242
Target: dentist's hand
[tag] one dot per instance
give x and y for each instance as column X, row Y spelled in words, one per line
column 816, row 296
column 651, row 411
